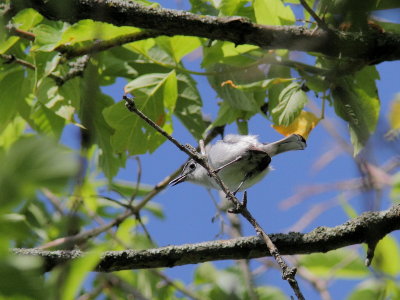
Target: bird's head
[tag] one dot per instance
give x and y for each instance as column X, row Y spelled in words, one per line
column 187, row 172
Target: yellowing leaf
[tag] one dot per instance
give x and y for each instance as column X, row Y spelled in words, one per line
column 394, row 115
column 302, row 125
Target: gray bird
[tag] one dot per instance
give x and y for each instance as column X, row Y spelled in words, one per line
column 240, row 160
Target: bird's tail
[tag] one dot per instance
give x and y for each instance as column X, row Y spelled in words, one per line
column 291, row 142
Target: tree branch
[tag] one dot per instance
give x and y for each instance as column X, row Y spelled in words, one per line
column 370, row 46
column 367, row 227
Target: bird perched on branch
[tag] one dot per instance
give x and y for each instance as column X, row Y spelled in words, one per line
column 240, row 161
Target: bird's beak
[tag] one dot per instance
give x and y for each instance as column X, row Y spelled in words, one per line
column 179, row 179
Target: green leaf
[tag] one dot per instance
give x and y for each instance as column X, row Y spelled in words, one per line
column 229, row 7
column 92, row 104
column 116, row 63
column 273, row 12
column 188, row 106
column 292, row 100
column 21, row 278
column 395, row 192
column 44, row 120
column 226, row 115
column 316, row 83
column 238, row 99
column 386, row 257
column 370, row 289
column 178, row 46
column 243, row 126
column 47, row 36
column 124, row 232
column 277, row 71
column 30, row 164
column 356, row 101
column 155, row 209
column 394, row 113
column 89, row 30
column 153, row 93
column 270, row 293
column 205, row 273
column 127, row 188
column 64, row 101
column 80, row 268
column 262, row 85
column 342, row 263
column 228, row 53
column 109, row 161
column 12, row 132
column 347, row 208
column 13, row 89
column 14, row 226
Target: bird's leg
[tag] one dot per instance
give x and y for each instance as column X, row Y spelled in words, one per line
column 241, row 183
column 228, row 164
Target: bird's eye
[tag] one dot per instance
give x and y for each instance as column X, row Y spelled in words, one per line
column 192, row 166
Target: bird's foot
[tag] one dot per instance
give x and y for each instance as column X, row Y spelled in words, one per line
column 239, row 206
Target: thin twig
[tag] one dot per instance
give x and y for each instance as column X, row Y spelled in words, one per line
column 288, row 273
column 12, row 59
column 138, row 180
column 21, row 33
column 176, row 286
column 317, row 19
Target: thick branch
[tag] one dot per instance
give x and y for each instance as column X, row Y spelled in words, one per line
column 368, row 227
column 372, row 46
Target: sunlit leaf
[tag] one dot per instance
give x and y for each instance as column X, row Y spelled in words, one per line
column 342, row 263
column 228, row 53
column 346, row 206
column 370, row 289
column 273, row 12
column 89, row 30
column 178, row 46
column 270, row 293
column 394, row 113
column 12, row 132
column 386, row 257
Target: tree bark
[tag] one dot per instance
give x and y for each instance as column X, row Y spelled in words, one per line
column 367, row 228
column 371, row 47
